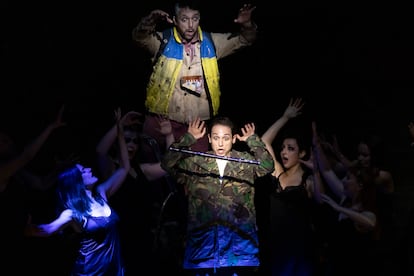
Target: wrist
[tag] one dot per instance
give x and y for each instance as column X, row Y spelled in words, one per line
column 249, row 25
column 146, row 25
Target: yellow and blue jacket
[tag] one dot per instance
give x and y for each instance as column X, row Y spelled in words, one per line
column 167, row 68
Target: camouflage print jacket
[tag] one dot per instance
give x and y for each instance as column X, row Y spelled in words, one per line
column 221, row 228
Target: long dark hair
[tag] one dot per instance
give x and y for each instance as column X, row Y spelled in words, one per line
column 72, row 194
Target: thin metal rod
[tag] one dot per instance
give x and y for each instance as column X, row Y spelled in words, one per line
column 242, row 160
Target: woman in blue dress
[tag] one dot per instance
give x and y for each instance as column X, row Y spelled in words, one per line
column 84, row 207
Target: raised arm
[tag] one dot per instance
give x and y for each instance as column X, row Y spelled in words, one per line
column 411, row 132
column 148, row 23
column 165, row 128
column 106, row 164
column 112, row 184
column 196, row 130
column 145, row 35
column 334, row 183
column 12, row 166
column 336, row 152
column 247, row 131
column 244, row 18
column 292, row 110
column 153, row 171
column 258, row 148
column 317, row 178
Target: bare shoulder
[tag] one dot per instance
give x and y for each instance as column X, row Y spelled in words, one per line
column 66, row 214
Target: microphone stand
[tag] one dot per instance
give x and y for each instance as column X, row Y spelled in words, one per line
column 205, row 154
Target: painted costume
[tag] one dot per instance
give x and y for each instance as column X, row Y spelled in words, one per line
column 186, row 74
column 221, row 224
column 185, row 80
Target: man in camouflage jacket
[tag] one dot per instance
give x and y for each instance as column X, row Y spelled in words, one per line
column 219, row 184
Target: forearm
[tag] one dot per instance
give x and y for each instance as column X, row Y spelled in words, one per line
column 248, row 32
column 123, row 151
column 152, row 171
column 169, row 140
column 46, row 230
column 145, row 35
column 317, row 186
column 344, row 160
column 333, row 182
column 107, row 141
column 10, row 167
column 273, row 130
column 33, row 148
column 364, row 219
column 143, row 29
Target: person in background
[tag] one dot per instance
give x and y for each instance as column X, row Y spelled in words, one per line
column 83, row 207
column 221, row 236
column 352, row 238
column 17, row 184
column 292, row 243
column 370, row 157
column 411, row 132
column 139, row 183
column 185, row 81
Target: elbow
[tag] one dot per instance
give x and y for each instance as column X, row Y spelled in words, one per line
column 372, row 223
column 367, row 225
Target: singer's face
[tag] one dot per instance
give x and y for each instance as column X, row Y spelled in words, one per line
column 187, row 22
column 221, row 139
